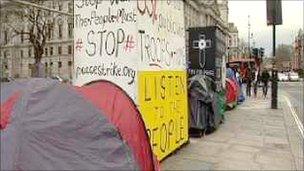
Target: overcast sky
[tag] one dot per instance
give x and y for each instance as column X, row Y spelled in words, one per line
column 292, row 11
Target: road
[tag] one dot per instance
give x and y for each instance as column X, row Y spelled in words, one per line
column 294, row 91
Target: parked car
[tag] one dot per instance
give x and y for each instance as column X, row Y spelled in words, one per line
column 293, row 76
column 283, row 77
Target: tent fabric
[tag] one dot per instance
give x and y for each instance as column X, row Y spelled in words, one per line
column 125, row 116
column 221, row 102
column 204, row 115
column 53, row 127
column 231, row 93
column 7, row 108
column 230, row 74
column 217, row 117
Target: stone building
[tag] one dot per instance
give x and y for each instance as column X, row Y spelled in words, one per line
column 298, row 58
column 233, row 43
column 17, row 53
column 202, row 13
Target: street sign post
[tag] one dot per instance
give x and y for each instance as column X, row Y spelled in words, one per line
column 274, row 17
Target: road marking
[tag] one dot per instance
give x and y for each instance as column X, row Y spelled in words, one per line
column 295, row 116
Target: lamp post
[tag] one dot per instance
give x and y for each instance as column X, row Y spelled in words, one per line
column 249, row 51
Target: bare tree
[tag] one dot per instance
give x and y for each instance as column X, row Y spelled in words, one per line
column 40, row 24
column 284, row 54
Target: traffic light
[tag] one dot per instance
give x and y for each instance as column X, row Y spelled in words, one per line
column 255, row 52
column 262, row 52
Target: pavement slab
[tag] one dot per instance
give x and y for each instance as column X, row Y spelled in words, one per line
column 253, row 137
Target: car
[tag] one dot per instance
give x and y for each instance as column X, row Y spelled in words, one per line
column 283, row 77
column 293, row 76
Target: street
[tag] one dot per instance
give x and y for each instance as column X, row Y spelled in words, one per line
column 294, row 91
column 253, row 137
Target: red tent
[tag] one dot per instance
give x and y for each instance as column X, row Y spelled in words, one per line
column 231, row 92
column 46, row 125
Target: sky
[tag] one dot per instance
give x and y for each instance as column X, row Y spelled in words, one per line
column 292, row 14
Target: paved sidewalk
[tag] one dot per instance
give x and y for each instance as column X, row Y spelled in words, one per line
column 253, row 137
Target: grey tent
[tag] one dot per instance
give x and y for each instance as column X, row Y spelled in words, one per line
column 46, row 125
column 204, row 114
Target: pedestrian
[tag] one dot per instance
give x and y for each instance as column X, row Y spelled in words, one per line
column 265, row 79
column 256, row 80
column 247, row 80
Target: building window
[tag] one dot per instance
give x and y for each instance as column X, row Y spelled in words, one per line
column 21, row 53
column 46, row 51
column 59, row 50
column 70, row 63
column 70, row 49
column 22, row 36
column 51, row 51
column 60, row 6
column 51, row 64
column 70, row 6
column 60, row 30
column 70, row 30
column 59, row 64
column 5, row 37
column 50, row 31
column 53, row 5
column 5, row 54
column 29, row 52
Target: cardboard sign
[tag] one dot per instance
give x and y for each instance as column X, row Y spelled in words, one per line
column 163, row 103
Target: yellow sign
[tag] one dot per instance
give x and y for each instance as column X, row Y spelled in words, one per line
column 163, row 105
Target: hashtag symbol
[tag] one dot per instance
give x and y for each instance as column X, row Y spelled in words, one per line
column 79, row 45
column 129, row 43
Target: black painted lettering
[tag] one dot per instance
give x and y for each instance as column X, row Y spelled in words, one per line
column 110, row 34
column 91, row 43
column 163, row 87
column 147, row 98
column 101, row 41
column 163, row 137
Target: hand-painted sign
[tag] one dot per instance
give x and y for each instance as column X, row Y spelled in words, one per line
column 105, row 42
column 136, row 43
column 163, row 103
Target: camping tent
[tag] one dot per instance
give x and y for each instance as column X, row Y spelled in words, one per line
column 46, row 125
column 231, row 93
column 230, row 74
column 204, row 115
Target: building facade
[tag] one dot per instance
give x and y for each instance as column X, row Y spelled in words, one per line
column 17, row 52
column 233, row 43
column 298, row 58
column 202, row 13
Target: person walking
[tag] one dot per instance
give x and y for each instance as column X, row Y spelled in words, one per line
column 265, row 79
column 247, row 80
column 256, row 82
